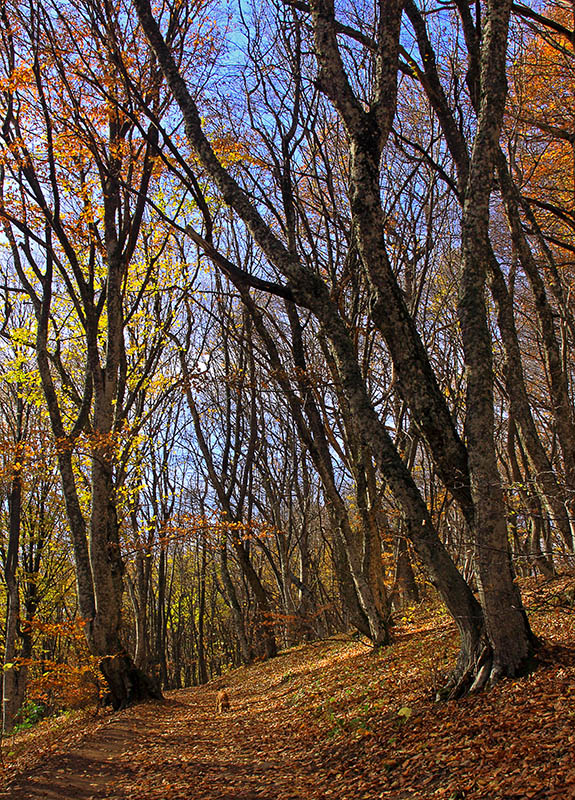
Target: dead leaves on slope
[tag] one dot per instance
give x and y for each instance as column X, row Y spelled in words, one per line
column 336, row 721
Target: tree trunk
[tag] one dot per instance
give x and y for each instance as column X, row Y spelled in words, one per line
column 352, row 609
column 405, row 591
column 534, row 554
column 561, row 406
column 231, row 598
column 510, row 640
column 13, row 675
column 265, row 642
column 127, row 684
column 140, row 592
column 202, row 666
column 551, row 493
column 364, row 564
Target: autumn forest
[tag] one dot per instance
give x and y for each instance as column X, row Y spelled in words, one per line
column 287, row 320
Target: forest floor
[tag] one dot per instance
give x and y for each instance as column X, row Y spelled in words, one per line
column 334, row 720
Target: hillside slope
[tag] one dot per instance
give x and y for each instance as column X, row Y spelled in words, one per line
column 331, row 720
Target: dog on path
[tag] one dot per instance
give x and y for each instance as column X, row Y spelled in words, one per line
column 222, row 701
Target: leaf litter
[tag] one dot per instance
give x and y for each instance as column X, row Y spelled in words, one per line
column 333, row 720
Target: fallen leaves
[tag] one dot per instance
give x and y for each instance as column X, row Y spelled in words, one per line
column 334, row 720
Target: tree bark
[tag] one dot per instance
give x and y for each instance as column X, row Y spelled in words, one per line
column 13, row 675
column 405, row 591
column 510, row 638
column 561, row 406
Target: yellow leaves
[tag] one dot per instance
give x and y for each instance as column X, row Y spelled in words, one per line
column 21, row 336
column 230, row 151
column 19, row 369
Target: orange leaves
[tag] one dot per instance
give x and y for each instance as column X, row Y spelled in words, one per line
column 231, row 150
column 29, row 458
column 21, row 77
column 55, row 683
column 71, row 630
column 212, row 528
column 540, row 115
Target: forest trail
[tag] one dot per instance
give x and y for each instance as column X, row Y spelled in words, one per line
column 333, row 720
column 182, row 748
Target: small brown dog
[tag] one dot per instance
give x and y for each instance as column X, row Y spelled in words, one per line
column 222, row 701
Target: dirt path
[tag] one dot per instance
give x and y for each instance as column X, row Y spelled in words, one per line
column 81, row 773
column 183, row 749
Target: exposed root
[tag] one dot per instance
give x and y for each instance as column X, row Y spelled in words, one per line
column 483, row 670
column 471, row 674
column 480, row 670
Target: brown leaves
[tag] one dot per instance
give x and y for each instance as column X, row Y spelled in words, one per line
column 325, row 721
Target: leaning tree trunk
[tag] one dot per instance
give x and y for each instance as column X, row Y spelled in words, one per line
column 368, row 609
column 561, row 405
column 363, row 542
column 552, row 494
column 509, row 643
column 554, row 498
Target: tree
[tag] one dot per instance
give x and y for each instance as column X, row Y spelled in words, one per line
column 73, row 211
column 13, row 678
column 31, row 512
